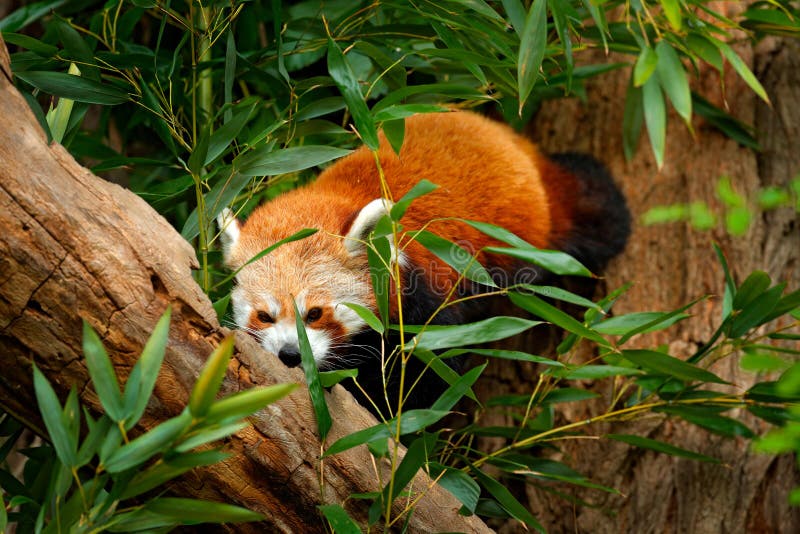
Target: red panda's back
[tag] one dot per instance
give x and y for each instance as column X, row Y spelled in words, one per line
column 483, row 169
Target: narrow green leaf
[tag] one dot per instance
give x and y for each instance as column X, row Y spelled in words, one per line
column 361, row 437
column 415, row 457
column 632, row 120
column 437, row 337
column 367, row 315
column 705, row 49
column 645, row 65
column 197, row 158
column 324, row 421
column 339, row 520
column 410, row 421
column 756, row 312
column 379, row 258
column 672, row 10
column 347, row 82
column 53, row 417
column 655, row 117
column 622, row 325
column 331, row 378
column 3, row 514
column 559, row 318
column 402, row 111
column 515, row 12
column 659, row 446
column 724, row 426
column 504, row 355
column 742, row 69
column 754, row 286
column 266, row 161
column 659, row 362
column 455, row 256
column 74, row 87
column 30, row 43
column 102, row 373
column 224, row 136
column 208, row 435
column 246, row 403
column 458, row 389
column 93, row 440
column 595, row 372
column 192, row 511
column 423, row 187
column 208, row 383
column 27, row 14
column 506, row 500
column 672, row 77
column 395, row 132
column 730, row 285
column 659, row 322
column 162, row 472
column 554, row 261
column 147, row 445
column 457, row 482
column 533, row 42
column 563, row 295
column 230, row 73
column 58, row 117
column 149, row 364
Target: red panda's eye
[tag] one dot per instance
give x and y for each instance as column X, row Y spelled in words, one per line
column 264, row 317
column 313, row 314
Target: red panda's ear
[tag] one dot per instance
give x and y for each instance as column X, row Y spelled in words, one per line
column 229, row 231
column 363, row 224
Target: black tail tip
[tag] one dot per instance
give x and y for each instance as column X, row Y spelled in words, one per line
column 602, row 222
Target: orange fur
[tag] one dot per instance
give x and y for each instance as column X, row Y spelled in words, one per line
column 484, row 171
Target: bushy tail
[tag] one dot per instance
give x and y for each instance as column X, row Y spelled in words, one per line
column 601, row 222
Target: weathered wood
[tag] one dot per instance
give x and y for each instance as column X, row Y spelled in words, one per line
column 75, row 247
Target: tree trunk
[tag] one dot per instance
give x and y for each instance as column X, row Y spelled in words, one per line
column 671, row 265
column 75, row 247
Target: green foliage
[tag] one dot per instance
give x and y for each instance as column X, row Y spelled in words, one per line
column 103, row 481
column 736, row 212
column 228, row 104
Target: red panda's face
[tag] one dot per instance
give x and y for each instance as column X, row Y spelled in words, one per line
column 266, row 294
column 318, row 274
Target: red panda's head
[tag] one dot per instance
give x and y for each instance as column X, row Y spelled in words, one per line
column 319, row 274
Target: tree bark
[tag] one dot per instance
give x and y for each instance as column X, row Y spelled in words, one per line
column 74, row 247
column 670, row 265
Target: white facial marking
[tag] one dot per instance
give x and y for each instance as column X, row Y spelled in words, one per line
column 229, row 231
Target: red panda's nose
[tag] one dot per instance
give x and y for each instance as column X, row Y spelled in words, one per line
column 289, row 355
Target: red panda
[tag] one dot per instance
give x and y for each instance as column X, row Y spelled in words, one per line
column 485, row 172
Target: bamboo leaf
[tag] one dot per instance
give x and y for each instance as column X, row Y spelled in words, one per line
column 266, row 161
column 138, row 394
column 53, row 416
column 659, row 446
column 74, row 87
column 533, row 42
column 192, row 511
column 324, row 421
column 672, row 77
column 347, row 82
column 339, row 520
column 102, row 373
column 147, row 445
column 437, row 337
column 455, row 256
column 208, row 383
column 245, row 403
column 655, row 118
column 659, row 362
